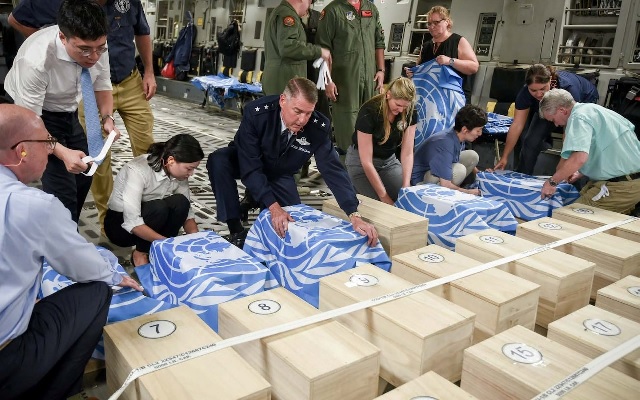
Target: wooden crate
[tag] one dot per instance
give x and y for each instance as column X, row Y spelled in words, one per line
column 565, row 280
column 320, row 361
column 415, row 334
column 622, row 298
column 593, row 217
column 223, row 372
column 399, row 230
column 427, row 386
column 489, row 374
column 593, row 331
column 615, row 257
column 499, row 299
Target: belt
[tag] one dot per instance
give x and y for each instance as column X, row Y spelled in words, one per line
column 623, row 178
column 133, row 71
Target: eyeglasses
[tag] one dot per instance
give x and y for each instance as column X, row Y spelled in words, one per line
column 434, row 23
column 87, row 52
column 50, row 141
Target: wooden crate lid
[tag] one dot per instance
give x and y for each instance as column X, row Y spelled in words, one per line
column 557, row 363
column 230, row 375
column 619, row 291
column 440, row 262
column 615, row 247
column 422, row 313
column 550, row 262
column 427, row 386
column 385, row 214
column 582, row 325
column 594, row 217
column 315, row 350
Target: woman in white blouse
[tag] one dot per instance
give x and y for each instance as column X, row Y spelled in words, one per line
column 150, row 198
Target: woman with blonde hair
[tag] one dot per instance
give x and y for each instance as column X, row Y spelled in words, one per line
column 448, row 48
column 384, row 123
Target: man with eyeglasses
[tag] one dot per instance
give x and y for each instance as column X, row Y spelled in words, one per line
column 44, row 345
column 128, row 31
column 45, row 78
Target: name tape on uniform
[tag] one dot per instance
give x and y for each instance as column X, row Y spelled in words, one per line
column 274, row 330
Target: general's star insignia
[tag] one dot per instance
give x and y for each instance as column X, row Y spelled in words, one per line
column 315, row 121
column 323, row 124
column 266, row 106
column 257, row 108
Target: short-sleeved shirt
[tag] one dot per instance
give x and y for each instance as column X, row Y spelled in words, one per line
column 581, row 89
column 437, row 154
column 371, row 121
column 126, row 20
column 608, row 138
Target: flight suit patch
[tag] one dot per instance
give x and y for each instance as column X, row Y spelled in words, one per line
column 322, row 14
column 367, row 13
column 350, row 16
column 289, row 21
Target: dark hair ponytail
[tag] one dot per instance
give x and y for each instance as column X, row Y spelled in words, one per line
column 184, row 148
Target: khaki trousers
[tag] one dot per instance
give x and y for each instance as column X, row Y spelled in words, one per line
column 135, row 111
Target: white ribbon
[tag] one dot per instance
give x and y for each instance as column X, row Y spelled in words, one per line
column 604, row 192
column 324, row 76
column 95, row 161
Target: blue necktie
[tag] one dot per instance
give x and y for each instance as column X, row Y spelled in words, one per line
column 284, row 140
column 91, row 117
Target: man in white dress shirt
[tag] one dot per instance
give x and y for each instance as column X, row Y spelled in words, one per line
column 45, row 78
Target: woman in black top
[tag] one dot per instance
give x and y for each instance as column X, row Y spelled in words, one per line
column 384, row 123
column 448, row 48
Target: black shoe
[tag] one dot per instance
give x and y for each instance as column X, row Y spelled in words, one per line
column 247, row 204
column 237, row 239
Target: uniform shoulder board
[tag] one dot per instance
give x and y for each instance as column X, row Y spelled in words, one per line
column 288, row 21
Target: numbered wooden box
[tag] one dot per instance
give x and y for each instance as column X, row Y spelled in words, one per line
column 520, row 364
column 593, row 217
column 499, row 299
column 565, row 280
column 415, row 334
column 593, row 331
column 429, row 386
column 615, row 257
column 399, row 230
column 150, row 338
column 320, row 361
column 622, row 298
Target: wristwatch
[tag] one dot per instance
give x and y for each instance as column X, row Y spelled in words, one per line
column 552, row 182
column 451, row 61
column 381, row 70
column 355, row 214
column 108, row 116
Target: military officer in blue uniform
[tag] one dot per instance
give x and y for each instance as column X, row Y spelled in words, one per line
column 277, row 135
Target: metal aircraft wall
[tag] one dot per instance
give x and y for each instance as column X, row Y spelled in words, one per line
column 525, row 30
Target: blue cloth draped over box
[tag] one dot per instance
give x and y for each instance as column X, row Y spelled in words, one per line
column 440, row 96
column 126, row 303
column 453, row 214
column 229, row 86
column 521, row 193
column 202, row 270
column 316, row 245
column 497, row 125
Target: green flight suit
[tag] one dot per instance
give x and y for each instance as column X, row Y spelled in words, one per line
column 352, row 37
column 286, row 50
